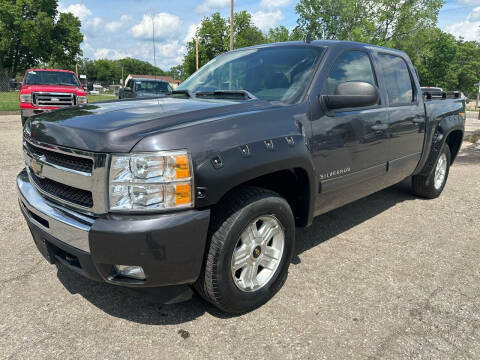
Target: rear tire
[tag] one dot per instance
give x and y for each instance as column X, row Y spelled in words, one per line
column 431, row 186
column 24, row 119
column 262, row 256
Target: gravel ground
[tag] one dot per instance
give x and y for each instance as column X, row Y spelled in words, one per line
column 389, row 276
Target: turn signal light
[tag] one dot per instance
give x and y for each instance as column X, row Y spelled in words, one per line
column 182, row 169
column 183, row 194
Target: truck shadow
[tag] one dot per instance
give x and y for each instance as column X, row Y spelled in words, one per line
column 468, row 155
column 146, row 306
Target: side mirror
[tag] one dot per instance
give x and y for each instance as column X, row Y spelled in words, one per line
column 352, row 94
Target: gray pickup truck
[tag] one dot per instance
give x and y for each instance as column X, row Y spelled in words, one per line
column 205, row 186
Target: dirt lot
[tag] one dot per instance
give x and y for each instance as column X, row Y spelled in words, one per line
column 389, row 276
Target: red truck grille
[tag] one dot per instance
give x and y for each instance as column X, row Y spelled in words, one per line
column 54, row 99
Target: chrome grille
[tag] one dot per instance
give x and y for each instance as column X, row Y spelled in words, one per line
column 63, row 160
column 54, row 99
column 67, row 193
column 74, row 178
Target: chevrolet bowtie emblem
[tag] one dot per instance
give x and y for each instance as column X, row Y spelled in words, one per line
column 37, row 167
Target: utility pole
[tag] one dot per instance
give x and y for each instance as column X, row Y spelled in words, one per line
column 196, row 50
column 231, row 25
column 76, row 69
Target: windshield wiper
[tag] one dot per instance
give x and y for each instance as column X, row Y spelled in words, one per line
column 231, row 94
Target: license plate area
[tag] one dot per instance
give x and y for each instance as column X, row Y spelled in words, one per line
column 43, row 247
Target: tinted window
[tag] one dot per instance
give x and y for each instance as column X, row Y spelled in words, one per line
column 51, row 78
column 398, row 82
column 351, row 66
column 272, row 73
column 151, row 86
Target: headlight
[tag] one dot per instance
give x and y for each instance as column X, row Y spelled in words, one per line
column 26, row 98
column 150, row 182
column 81, row 99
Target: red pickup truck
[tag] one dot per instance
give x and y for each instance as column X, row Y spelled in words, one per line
column 49, row 89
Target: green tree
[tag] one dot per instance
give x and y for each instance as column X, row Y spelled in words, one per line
column 110, row 71
column 66, row 40
column 468, row 61
column 177, row 72
column 282, row 34
column 214, row 38
column 437, row 66
column 278, row 34
column 245, row 32
column 382, row 22
column 32, row 32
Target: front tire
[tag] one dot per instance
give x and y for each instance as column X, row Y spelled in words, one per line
column 431, row 186
column 252, row 243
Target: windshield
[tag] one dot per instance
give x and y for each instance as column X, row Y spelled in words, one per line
column 152, row 86
column 51, row 78
column 272, row 74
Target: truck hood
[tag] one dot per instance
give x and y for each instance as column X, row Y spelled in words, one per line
column 51, row 88
column 118, row 125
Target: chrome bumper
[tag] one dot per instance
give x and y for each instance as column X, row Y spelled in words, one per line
column 65, row 225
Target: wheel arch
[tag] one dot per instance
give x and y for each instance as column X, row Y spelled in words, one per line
column 454, row 141
column 287, row 169
column 450, row 131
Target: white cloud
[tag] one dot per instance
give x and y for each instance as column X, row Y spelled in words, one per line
column 474, row 15
column 265, row 20
column 172, row 49
column 103, row 53
column 273, row 4
column 166, row 27
column 89, row 24
column 114, row 26
column 79, row 10
column 94, row 23
column 191, row 32
column 468, row 29
column 209, row 5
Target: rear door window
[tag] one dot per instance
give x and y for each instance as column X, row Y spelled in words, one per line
column 398, row 81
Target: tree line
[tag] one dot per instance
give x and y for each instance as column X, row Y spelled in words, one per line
column 33, row 32
column 411, row 26
column 109, row 72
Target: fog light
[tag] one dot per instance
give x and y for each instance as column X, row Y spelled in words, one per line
column 134, row 272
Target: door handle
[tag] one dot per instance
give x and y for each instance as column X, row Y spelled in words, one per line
column 380, row 127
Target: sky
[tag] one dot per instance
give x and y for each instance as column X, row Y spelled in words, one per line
column 114, row 29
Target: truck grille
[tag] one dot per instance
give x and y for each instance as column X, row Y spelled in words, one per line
column 70, row 177
column 54, row 99
column 63, row 160
column 67, row 193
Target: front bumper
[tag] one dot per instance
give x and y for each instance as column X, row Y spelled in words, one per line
column 169, row 247
column 26, row 113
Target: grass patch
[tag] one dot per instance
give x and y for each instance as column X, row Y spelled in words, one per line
column 9, row 100
column 98, row 98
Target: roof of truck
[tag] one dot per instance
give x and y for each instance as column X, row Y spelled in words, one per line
column 59, row 70
column 329, row 43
